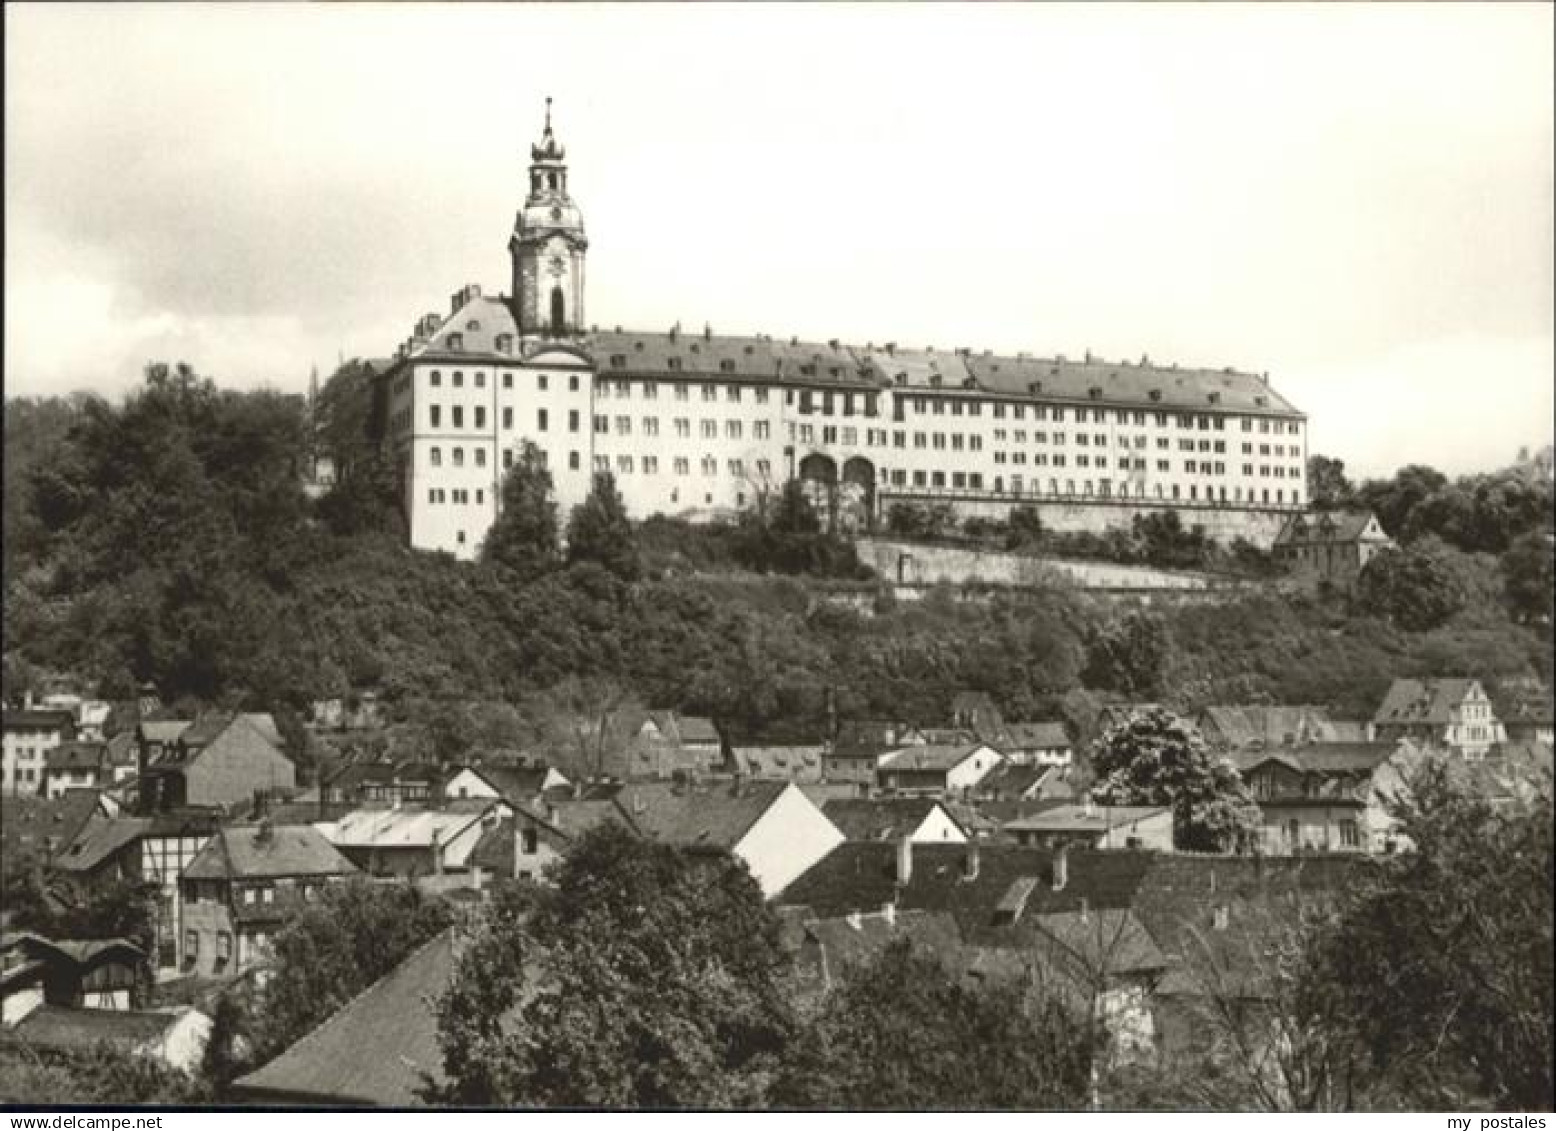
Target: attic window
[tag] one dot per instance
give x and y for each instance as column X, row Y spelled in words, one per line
column 1095, row 392
column 472, row 325
column 749, row 350
column 834, row 371
column 1215, row 397
column 456, row 342
column 1156, row 394
column 618, row 361
column 637, row 346
column 673, row 362
column 1035, row 387
column 808, row 370
column 1261, row 400
column 504, row 343
column 726, row 366
column 696, row 348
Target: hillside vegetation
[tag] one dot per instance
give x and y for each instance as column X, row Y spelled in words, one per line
column 168, row 539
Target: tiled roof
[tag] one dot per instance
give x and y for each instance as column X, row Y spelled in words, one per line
column 99, row 839
column 1422, row 701
column 378, row 1048
column 879, row 818
column 846, row 943
column 1081, row 818
column 930, row 759
column 1269, row 726
column 400, row 828
column 258, row 851
column 66, row 1029
column 695, row 728
column 692, row 815
column 1110, row 941
column 204, row 730
column 1014, row 780
column 519, row 783
column 883, row 734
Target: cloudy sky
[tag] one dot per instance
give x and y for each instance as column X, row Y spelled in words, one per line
column 1355, row 198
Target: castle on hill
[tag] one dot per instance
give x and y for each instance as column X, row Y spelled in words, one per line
column 702, row 425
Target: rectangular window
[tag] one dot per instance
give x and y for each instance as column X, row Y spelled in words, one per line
column 761, row 430
column 710, row 429
column 681, row 391
column 650, row 391
column 541, row 419
column 683, row 427
column 602, row 424
column 572, row 461
column 732, row 429
column 710, row 392
column 507, row 418
column 434, row 415
column 624, row 426
column 650, row 426
column 572, row 420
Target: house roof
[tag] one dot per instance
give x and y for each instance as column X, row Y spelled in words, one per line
column 37, row 824
column 1036, row 736
column 879, row 818
column 35, row 719
column 99, row 839
column 718, row 815
column 1528, row 703
column 885, row 734
column 1328, row 527
column 76, row 757
column 1015, row 779
column 695, row 728
column 1110, row 941
column 401, row 828
column 66, row 1029
column 931, row 758
column 362, row 773
column 1269, row 726
column 568, row 819
column 81, row 952
column 266, row 851
column 164, row 730
column 1422, row 701
column 377, row 1048
column 1084, row 818
column 846, row 942
column 514, row 782
column 796, row 763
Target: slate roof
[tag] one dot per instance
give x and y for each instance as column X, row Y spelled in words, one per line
column 1529, row 704
column 930, row 758
column 879, row 818
column 718, row 815
column 376, row 1049
column 1080, row 818
column 66, row 1029
column 258, row 851
column 1422, row 701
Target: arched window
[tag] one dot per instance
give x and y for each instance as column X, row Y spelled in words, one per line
column 558, row 310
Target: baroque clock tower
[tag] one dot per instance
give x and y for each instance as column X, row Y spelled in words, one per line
column 548, row 247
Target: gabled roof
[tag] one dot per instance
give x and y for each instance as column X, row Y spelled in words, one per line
column 377, row 1048
column 1036, row 736
column 65, row 1029
column 1015, row 779
column 29, row 824
column 794, row 763
column 1330, row 528
column 1269, row 726
column 403, row 827
column 1422, row 701
column 265, row 852
column 1085, row 818
column 931, row 758
column 695, row 728
column 885, row 734
column 846, row 942
column 35, row 719
column 880, row 818
column 517, row 783
column 1107, row 942
column 99, row 839
column 717, row 815
column 164, row 730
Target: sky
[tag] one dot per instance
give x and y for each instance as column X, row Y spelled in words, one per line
column 1356, row 199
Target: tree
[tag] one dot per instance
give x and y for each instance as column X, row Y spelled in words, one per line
column 599, row 531
column 1157, row 759
column 1024, row 528
column 579, row 724
column 1417, row 587
column 1128, row 655
column 1529, row 575
column 1393, row 499
column 648, row 977
column 1440, row 967
column 993, row 1046
column 357, row 932
column 1328, row 489
column 524, row 537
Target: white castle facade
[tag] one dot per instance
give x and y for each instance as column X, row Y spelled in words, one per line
column 701, row 425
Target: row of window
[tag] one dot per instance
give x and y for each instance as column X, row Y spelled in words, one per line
column 681, row 465
column 709, row 430
column 733, row 394
column 478, row 379
column 1103, row 488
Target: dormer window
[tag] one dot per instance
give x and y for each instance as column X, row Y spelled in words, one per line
column 934, row 380
column 472, row 325
column 673, row 362
column 504, row 343
column 808, row 370
column 1215, row 398
column 638, row 346
column 1035, row 387
column 1261, row 400
column 1095, row 393
column 1156, row 394
column 696, row 348
column 726, row 366
column 618, row 361
column 456, row 342
column 834, row 371
column 750, row 350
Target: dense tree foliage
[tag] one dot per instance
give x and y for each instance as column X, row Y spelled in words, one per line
column 1128, row 655
column 648, row 977
column 599, row 531
column 903, row 1033
column 1529, row 574
column 1439, row 971
column 1327, row 486
column 525, row 537
column 1417, row 587
column 1157, row 759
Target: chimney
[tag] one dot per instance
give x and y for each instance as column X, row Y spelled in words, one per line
column 970, row 864
column 1061, row 866
column 905, row 860
column 707, row 332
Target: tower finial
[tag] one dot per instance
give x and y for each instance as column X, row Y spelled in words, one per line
column 548, row 113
